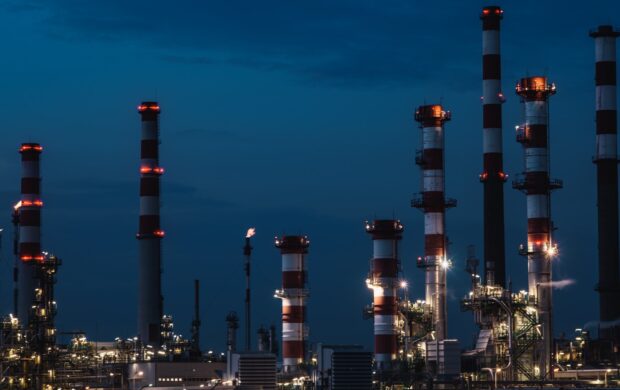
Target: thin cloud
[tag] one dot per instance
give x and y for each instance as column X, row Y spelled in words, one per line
column 346, row 44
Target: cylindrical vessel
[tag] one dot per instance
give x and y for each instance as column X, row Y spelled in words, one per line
column 294, row 294
column 434, row 203
column 537, row 185
column 29, row 215
column 150, row 300
column 493, row 176
column 606, row 160
column 384, row 282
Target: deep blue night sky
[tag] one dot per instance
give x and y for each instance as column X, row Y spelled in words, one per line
column 293, row 117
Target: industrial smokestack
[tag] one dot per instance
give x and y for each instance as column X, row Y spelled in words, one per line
column 293, row 295
column 493, row 176
column 232, row 324
column 195, row 349
column 247, row 253
column 383, row 280
column 29, row 215
column 434, row 203
column 537, row 186
column 606, row 160
column 17, row 261
column 150, row 300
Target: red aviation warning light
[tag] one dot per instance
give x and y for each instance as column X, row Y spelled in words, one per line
column 491, row 11
column 155, row 170
column 30, row 257
column 29, row 147
column 28, row 203
column 149, row 106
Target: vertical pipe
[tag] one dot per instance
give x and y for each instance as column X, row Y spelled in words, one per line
column 434, row 203
column 15, row 221
column 537, row 185
column 273, row 343
column 29, row 230
column 294, row 294
column 492, row 177
column 383, row 281
column 606, row 160
column 247, row 252
column 150, row 300
column 196, row 322
column 232, row 322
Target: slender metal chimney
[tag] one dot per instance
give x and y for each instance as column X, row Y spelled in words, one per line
column 247, row 253
column 17, row 261
column 150, row 300
column 294, row 294
column 29, row 215
column 434, row 203
column 606, row 160
column 383, row 280
column 232, row 324
column 493, row 176
column 537, row 186
column 273, row 342
column 195, row 349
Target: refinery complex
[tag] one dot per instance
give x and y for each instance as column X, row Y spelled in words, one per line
column 515, row 346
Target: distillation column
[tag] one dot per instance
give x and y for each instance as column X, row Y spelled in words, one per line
column 383, row 281
column 29, row 215
column 537, row 186
column 493, row 176
column 606, row 160
column 150, row 300
column 294, row 294
column 434, row 203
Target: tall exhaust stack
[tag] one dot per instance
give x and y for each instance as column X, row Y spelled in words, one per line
column 150, row 300
column 195, row 330
column 16, row 258
column 247, row 253
column 434, row 203
column 232, row 324
column 294, row 294
column 606, row 160
column 29, row 215
column 493, row 176
column 537, row 186
column 383, row 280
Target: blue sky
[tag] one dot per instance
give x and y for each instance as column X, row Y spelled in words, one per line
column 294, row 117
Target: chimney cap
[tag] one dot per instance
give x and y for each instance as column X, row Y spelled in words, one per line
column 605, row 30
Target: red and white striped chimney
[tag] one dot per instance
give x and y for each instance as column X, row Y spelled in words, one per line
column 537, row 186
column 493, row 176
column 150, row 300
column 29, row 229
column 383, row 281
column 294, row 294
column 434, row 203
column 606, row 160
